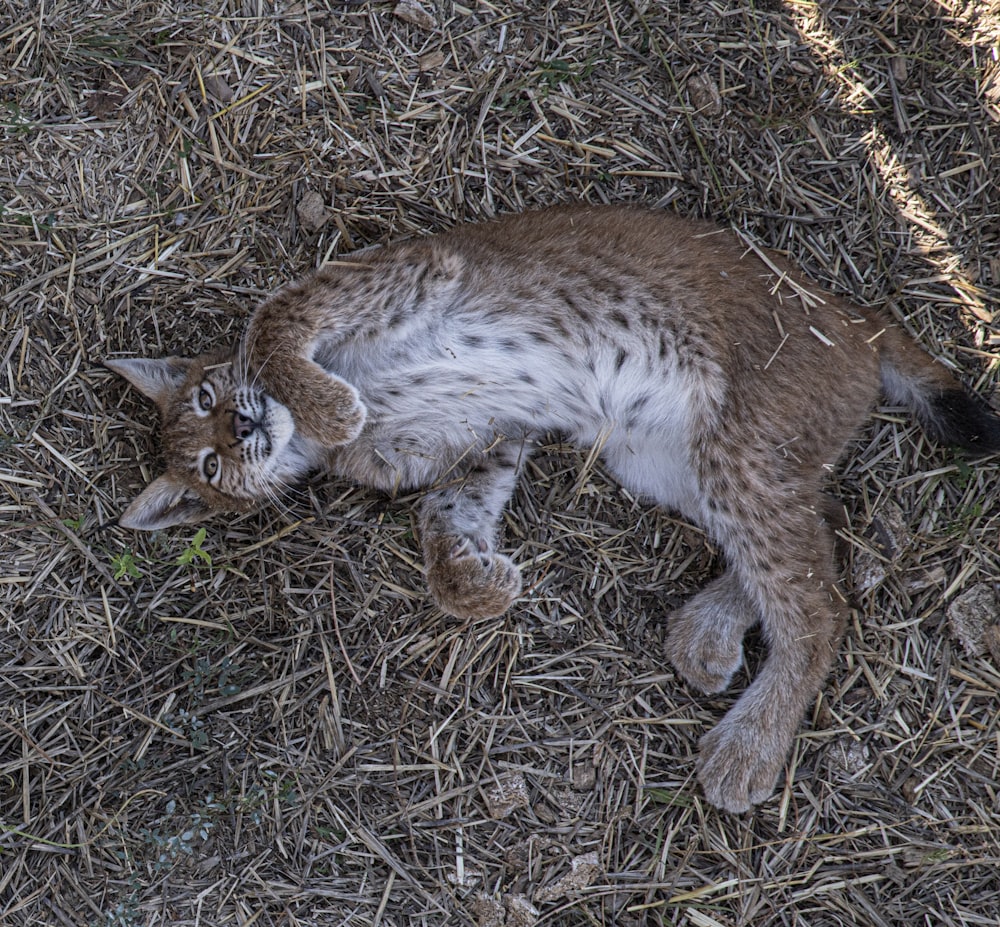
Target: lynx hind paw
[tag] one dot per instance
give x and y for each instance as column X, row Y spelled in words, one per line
column 707, row 653
column 470, row 581
column 739, row 764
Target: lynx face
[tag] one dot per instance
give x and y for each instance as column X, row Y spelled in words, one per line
column 229, row 445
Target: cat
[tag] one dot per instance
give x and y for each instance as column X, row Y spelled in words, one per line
column 714, row 383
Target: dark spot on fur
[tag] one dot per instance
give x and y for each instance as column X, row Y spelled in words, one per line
column 620, row 357
column 561, row 328
column 638, row 404
column 579, row 311
column 607, row 286
column 648, row 318
column 620, row 319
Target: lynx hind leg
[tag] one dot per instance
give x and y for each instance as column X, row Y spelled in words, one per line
column 458, row 527
column 705, row 635
column 783, row 557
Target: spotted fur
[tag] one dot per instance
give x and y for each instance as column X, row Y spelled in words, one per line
column 711, row 382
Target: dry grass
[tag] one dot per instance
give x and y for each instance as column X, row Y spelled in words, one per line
column 284, row 731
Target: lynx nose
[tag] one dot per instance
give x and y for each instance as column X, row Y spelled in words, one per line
column 243, row 426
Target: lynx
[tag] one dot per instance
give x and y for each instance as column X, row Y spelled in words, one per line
column 713, row 382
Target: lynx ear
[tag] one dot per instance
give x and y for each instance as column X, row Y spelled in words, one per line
column 157, row 379
column 162, row 504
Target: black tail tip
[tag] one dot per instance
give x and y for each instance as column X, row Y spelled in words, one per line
column 964, row 420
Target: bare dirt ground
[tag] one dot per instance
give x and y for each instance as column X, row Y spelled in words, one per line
column 269, row 723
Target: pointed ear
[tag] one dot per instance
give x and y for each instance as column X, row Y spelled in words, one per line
column 162, row 504
column 157, row 379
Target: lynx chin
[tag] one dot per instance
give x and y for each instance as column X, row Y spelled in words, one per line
column 718, row 388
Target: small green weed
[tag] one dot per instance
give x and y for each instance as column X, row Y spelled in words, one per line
column 194, row 553
column 127, row 912
column 206, row 676
column 194, row 832
column 189, row 726
column 125, row 565
column 14, row 122
column 669, row 798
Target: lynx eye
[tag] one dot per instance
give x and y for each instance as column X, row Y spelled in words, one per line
column 206, row 397
column 210, row 466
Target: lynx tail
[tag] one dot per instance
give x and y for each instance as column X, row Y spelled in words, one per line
column 946, row 410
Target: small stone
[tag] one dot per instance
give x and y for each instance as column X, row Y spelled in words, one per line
column 867, row 572
column 506, row 795
column 431, row 61
column 991, row 640
column 850, row 756
column 973, row 618
column 86, row 295
column 312, row 211
column 520, row 911
column 704, row 94
column 488, row 911
column 413, row 13
column 567, row 802
column 468, row 878
column 103, row 104
column 544, row 813
column 890, row 534
column 583, row 777
column 891, row 530
column 218, row 88
column 584, row 869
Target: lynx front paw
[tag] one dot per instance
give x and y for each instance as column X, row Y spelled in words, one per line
column 471, row 581
column 326, row 409
column 739, row 764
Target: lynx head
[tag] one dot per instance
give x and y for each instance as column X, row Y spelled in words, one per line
column 229, row 447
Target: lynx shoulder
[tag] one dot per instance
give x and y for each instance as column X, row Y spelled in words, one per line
column 717, row 383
